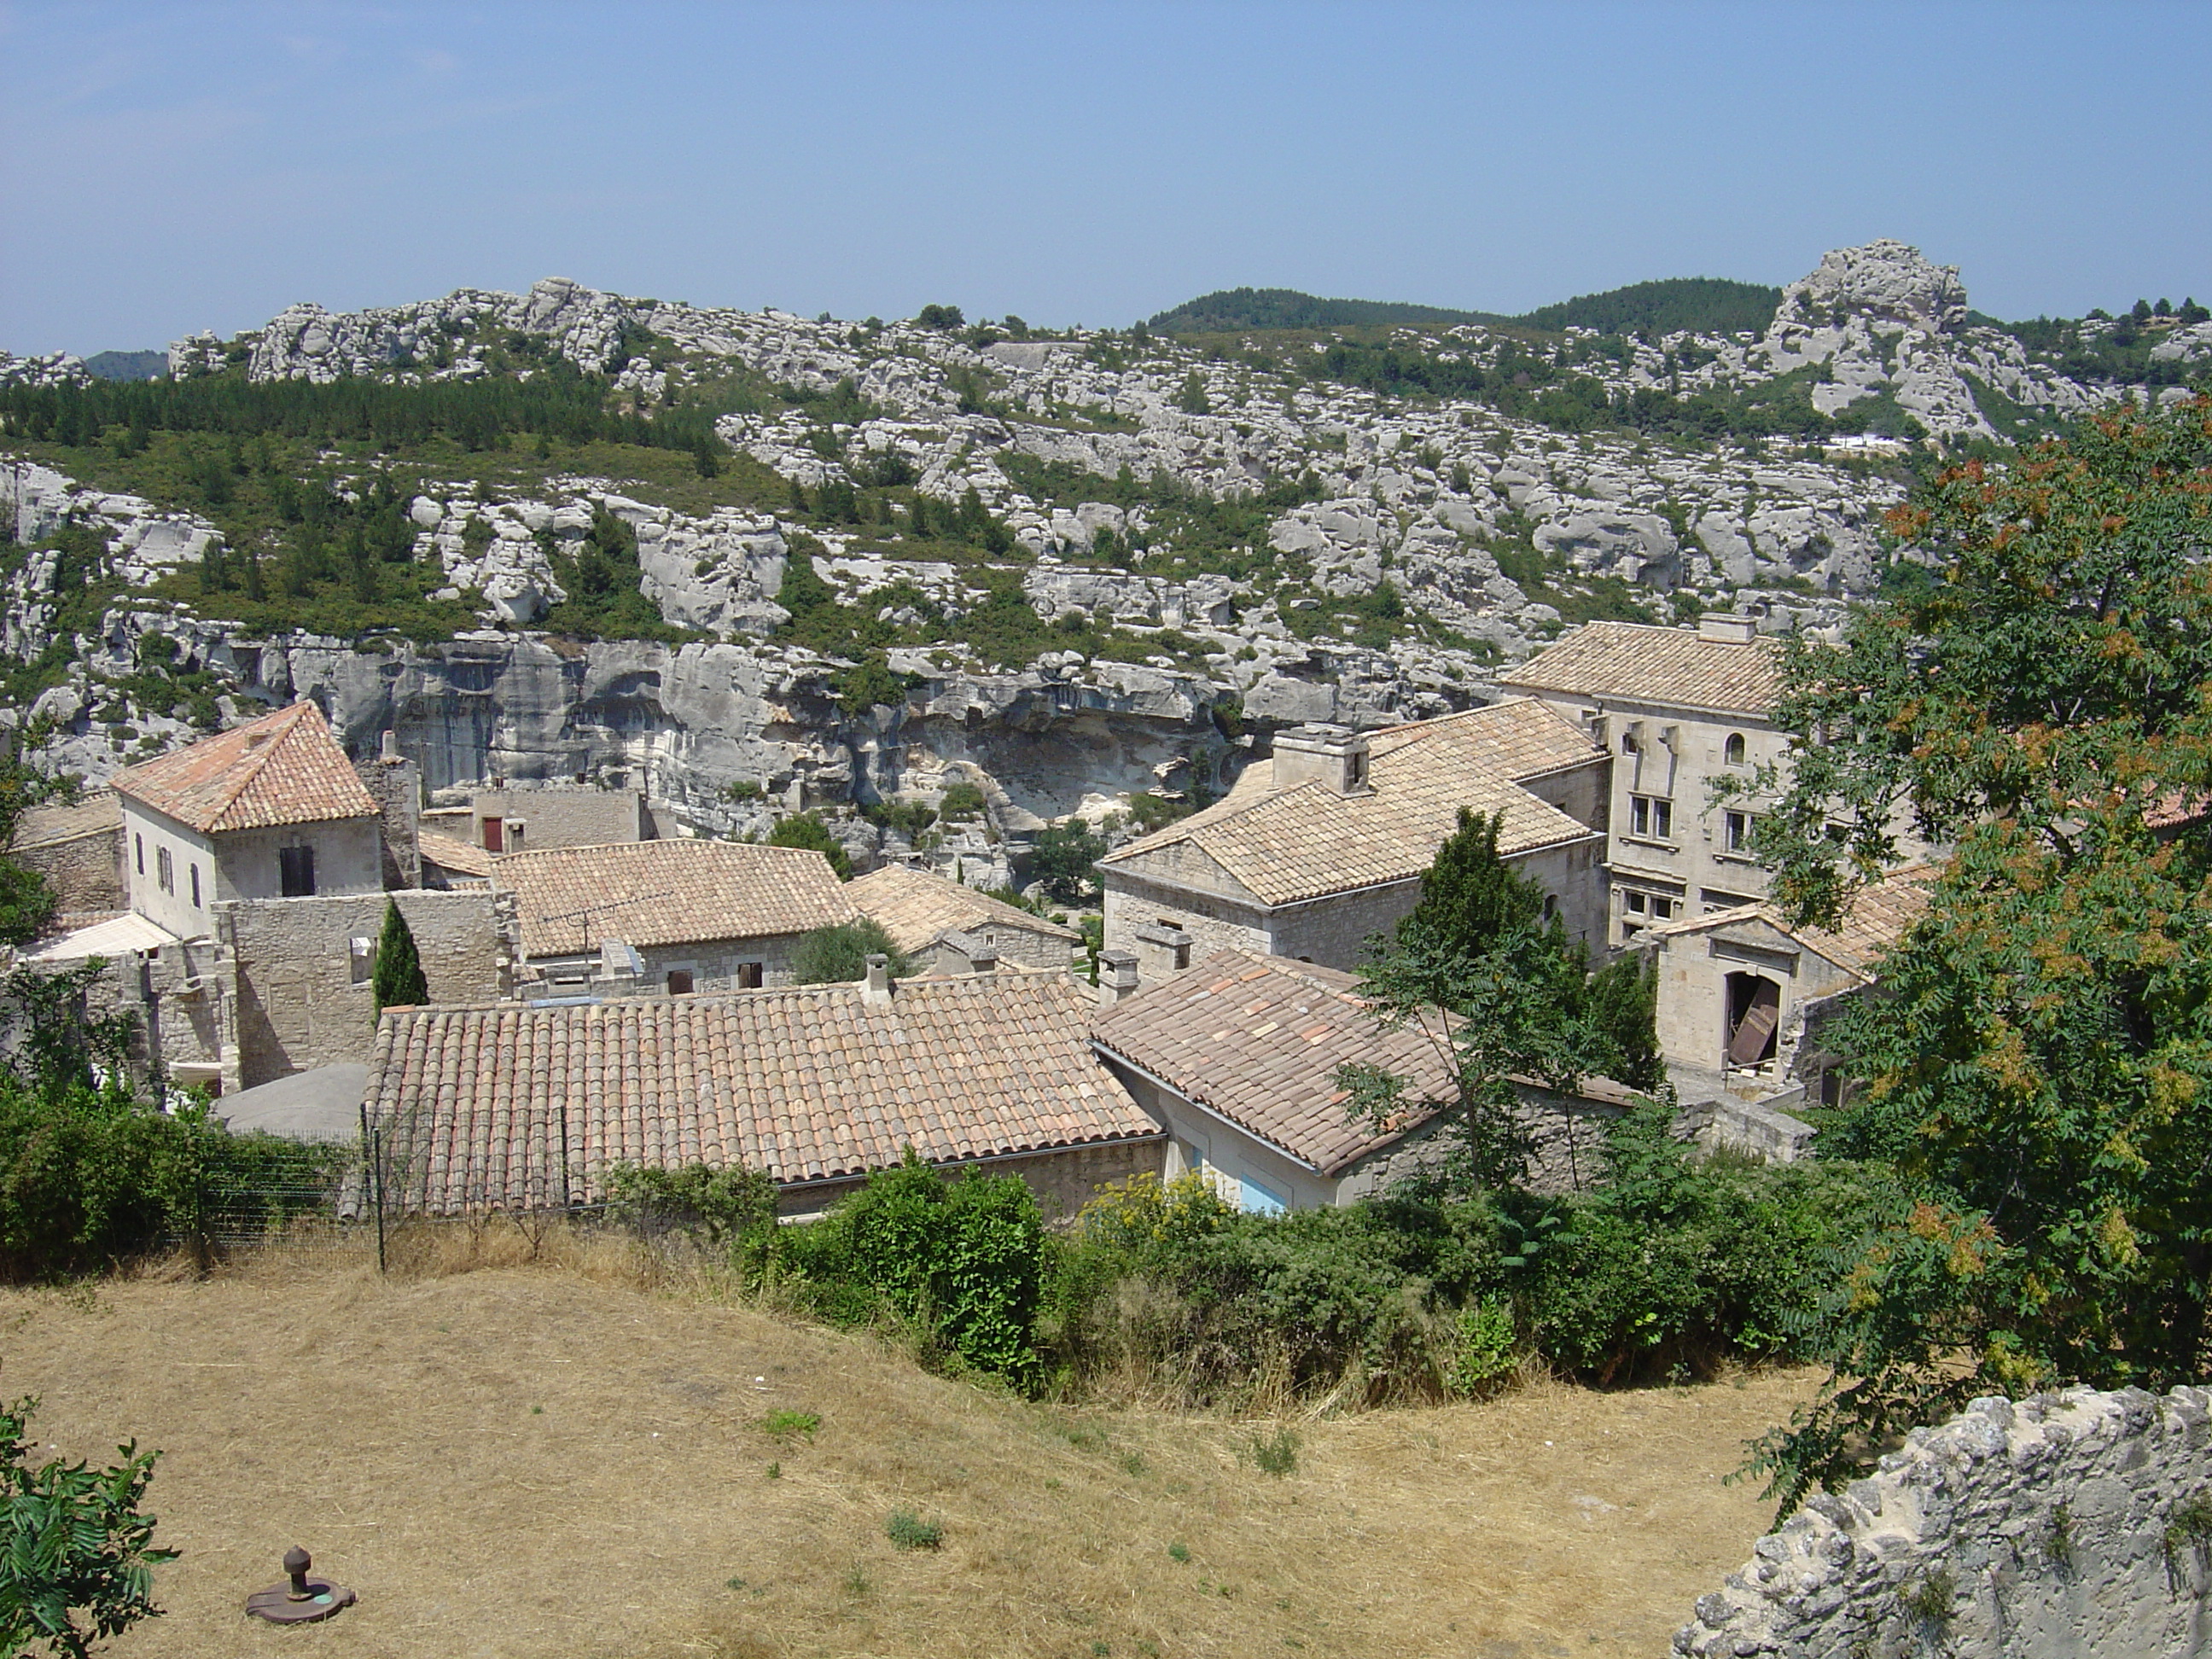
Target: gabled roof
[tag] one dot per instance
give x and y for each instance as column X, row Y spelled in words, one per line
column 568, row 899
column 1640, row 662
column 462, row 858
column 1881, row 913
column 512, row 1106
column 1284, row 846
column 284, row 767
column 916, row 907
column 43, row 826
column 1259, row 1039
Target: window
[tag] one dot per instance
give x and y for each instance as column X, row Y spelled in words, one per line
column 679, row 981
column 1735, row 832
column 196, row 887
column 495, row 835
column 1662, row 907
column 360, row 959
column 141, row 841
column 296, row 871
column 1732, row 751
column 165, row 870
column 1628, row 745
column 1636, row 904
column 1652, row 818
column 749, row 976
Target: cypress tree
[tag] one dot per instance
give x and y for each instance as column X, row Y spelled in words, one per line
column 398, row 981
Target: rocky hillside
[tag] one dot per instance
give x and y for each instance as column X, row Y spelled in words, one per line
column 758, row 563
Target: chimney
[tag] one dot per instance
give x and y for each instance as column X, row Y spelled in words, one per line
column 1726, row 627
column 1161, row 953
column 1334, row 756
column 389, row 753
column 1117, row 977
column 965, row 953
column 876, row 992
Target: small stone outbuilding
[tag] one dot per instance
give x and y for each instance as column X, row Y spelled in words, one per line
column 919, row 910
column 697, row 915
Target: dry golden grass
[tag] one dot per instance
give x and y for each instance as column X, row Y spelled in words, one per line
column 545, row 1459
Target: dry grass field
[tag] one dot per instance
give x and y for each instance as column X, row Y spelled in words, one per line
column 548, row 1460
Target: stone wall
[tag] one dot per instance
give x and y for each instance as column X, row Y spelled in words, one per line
column 559, row 816
column 84, row 870
column 302, row 995
column 2071, row 1524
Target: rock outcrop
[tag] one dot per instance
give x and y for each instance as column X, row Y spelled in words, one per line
column 2070, row 1523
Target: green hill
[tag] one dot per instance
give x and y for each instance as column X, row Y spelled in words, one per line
column 128, row 365
column 1235, row 308
column 1702, row 305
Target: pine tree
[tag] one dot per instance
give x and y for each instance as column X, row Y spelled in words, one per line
column 398, row 981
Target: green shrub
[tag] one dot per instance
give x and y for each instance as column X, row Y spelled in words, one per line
column 76, row 1556
column 838, row 954
column 1276, row 1454
column 1486, row 1351
column 908, row 1531
column 962, row 801
column 806, row 830
column 959, row 1264
column 785, row 1424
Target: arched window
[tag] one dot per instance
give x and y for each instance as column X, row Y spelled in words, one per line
column 1732, row 750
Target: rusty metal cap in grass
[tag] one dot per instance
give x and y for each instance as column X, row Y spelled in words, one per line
column 300, row 1600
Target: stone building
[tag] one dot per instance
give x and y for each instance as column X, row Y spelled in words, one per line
column 558, row 815
column 272, row 809
column 517, row 1107
column 920, row 910
column 697, row 915
column 1237, row 1059
column 1742, row 997
column 78, row 848
column 1325, row 845
column 1676, row 709
column 258, row 865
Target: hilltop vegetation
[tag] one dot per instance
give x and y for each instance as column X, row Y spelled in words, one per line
column 1235, row 308
column 1693, row 304
column 1696, row 304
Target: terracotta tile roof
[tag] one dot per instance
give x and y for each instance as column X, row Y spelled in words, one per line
column 1259, row 1039
column 462, row 858
column 916, row 907
column 667, row 892
column 1639, row 662
column 511, row 1106
column 42, row 826
column 284, row 767
column 1303, row 842
column 1882, row 914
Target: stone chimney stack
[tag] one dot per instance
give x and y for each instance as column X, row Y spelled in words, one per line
column 397, row 784
column 1728, row 628
column 876, row 992
column 1161, row 953
column 1334, row 756
column 1117, row 977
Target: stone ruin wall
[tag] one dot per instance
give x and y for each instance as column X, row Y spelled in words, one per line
column 2077, row 1523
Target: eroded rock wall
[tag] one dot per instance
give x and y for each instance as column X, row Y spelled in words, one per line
column 2069, row 1524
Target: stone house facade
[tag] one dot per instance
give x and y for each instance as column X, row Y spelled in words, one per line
column 1677, row 709
column 1742, row 995
column 270, row 809
column 1309, row 855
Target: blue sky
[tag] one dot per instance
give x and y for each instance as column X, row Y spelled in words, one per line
column 169, row 167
